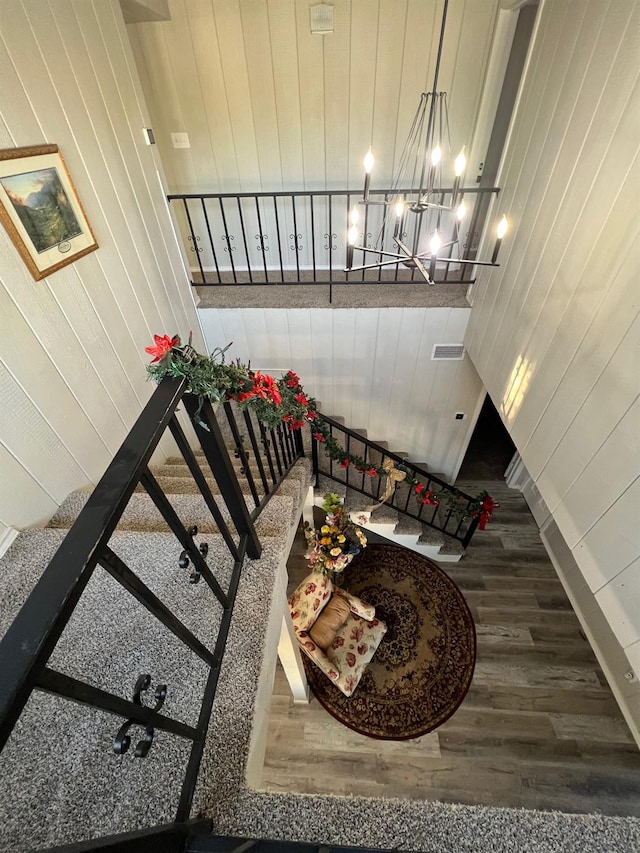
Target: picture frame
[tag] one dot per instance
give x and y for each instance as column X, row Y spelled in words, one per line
column 41, row 211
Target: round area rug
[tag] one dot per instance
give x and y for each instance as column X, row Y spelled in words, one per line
column 423, row 667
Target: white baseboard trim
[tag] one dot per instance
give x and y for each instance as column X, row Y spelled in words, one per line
column 7, row 536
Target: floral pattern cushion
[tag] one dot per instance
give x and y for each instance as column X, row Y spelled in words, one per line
column 308, row 600
column 353, row 648
column 354, row 645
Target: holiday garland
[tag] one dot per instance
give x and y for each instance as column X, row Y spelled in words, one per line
column 284, row 400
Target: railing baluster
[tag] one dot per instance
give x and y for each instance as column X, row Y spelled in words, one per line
column 295, row 235
column 119, row 570
column 264, row 251
column 212, row 443
column 196, row 472
column 282, row 447
column 256, row 449
column 178, row 529
column 274, row 444
column 266, row 443
column 331, row 238
column 228, row 238
column 313, row 237
column 194, row 240
column 213, row 248
column 244, row 239
column 240, row 452
column 275, row 210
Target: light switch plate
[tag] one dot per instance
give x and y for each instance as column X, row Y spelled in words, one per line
column 180, row 140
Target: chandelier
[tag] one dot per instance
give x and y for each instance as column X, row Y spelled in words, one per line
column 422, row 220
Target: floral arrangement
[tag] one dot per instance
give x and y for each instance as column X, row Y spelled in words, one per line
column 336, row 543
column 284, row 400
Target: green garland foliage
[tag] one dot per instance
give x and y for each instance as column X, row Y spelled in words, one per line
column 284, row 401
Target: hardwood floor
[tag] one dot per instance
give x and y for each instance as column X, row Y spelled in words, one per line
column 538, row 729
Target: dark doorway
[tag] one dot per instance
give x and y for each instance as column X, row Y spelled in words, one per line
column 490, row 449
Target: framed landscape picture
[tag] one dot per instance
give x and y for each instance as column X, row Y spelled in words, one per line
column 40, row 209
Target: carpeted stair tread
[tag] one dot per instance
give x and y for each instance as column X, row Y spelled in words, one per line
column 153, row 557
column 408, row 526
column 142, row 514
column 325, row 485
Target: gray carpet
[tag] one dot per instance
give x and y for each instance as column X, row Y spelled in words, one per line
column 394, row 295
column 61, row 782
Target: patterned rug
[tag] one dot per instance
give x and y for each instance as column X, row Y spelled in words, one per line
column 423, row 668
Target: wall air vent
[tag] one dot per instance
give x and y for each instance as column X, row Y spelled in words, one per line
column 447, row 352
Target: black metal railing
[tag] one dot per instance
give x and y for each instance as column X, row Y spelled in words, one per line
column 455, row 515
column 29, row 642
column 300, row 237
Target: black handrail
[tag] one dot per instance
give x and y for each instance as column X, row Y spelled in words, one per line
column 29, row 642
column 459, row 523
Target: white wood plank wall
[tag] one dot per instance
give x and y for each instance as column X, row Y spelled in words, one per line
column 72, row 366
column 555, row 333
column 269, row 106
column 371, row 366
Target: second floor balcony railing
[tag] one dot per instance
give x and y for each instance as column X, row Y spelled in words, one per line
column 300, row 237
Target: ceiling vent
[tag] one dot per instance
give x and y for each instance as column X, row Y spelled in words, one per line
column 448, row 352
column 321, row 19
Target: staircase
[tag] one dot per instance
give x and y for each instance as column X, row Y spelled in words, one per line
column 150, row 606
column 428, row 534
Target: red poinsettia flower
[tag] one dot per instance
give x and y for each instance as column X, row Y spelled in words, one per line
column 297, row 424
column 319, row 436
column 162, row 346
column 301, row 399
column 419, row 488
column 263, row 386
column 344, row 463
column 372, row 472
column 312, row 415
column 292, row 379
column 428, row 498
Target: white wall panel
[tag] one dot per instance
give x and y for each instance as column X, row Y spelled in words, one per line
column 554, row 332
column 269, row 105
column 73, row 366
column 370, row 366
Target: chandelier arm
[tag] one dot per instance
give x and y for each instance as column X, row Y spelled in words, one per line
column 397, row 259
column 382, row 252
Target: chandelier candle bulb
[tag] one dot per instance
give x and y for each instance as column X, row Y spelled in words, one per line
column 503, row 225
column 368, row 167
column 399, row 209
column 352, row 238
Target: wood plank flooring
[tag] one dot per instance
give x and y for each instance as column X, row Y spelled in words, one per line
column 538, row 729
